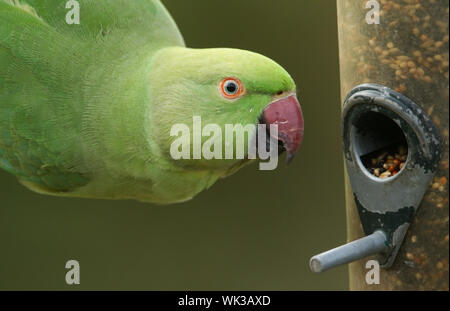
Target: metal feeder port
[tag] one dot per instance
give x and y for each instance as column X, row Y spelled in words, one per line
column 392, row 151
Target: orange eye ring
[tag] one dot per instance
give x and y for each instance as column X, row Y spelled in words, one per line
column 231, row 88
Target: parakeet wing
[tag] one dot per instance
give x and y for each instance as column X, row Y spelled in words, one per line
column 146, row 20
column 42, row 60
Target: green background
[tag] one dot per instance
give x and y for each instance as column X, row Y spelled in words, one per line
column 255, row 230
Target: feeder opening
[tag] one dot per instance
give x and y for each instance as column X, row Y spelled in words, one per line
column 380, row 144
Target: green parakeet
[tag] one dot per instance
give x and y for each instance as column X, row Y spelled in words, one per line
column 86, row 109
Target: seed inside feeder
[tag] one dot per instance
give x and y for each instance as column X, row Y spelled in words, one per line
column 386, row 163
column 380, row 144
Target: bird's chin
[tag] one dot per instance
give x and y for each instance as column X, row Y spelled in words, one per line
column 287, row 115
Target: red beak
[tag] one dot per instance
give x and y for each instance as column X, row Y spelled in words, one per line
column 287, row 114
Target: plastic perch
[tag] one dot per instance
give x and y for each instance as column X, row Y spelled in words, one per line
column 366, row 246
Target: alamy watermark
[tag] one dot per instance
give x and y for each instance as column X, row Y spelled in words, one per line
column 373, row 16
column 373, row 275
column 73, row 15
column 263, row 145
column 73, row 275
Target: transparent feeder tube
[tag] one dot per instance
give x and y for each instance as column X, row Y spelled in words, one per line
column 406, row 51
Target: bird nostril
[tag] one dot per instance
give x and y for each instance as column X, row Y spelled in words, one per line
column 280, row 93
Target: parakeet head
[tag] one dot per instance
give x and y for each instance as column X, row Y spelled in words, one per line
column 222, row 86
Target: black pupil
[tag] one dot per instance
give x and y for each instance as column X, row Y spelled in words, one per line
column 231, row 87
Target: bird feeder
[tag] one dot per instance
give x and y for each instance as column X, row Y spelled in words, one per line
column 394, row 62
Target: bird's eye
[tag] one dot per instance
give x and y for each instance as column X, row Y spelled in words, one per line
column 231, row 88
